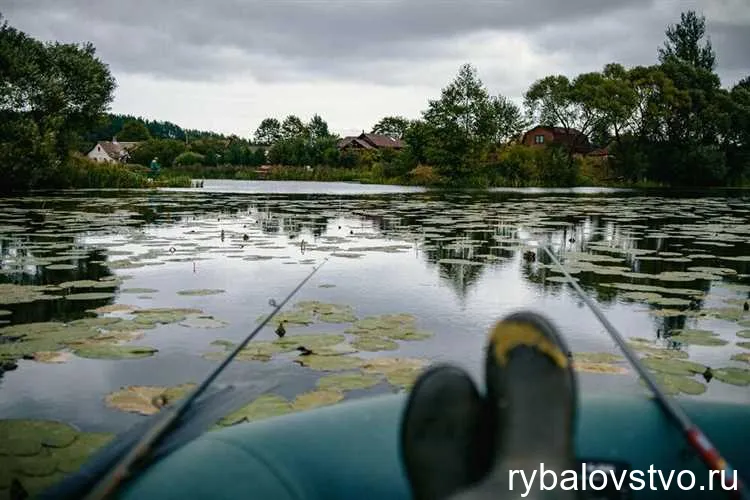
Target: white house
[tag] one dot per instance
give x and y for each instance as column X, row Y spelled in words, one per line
column 112, row 151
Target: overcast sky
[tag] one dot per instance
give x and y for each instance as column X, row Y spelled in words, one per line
column 225, row 65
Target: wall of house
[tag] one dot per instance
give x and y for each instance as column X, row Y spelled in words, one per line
column 529, row 138
column 98, row 154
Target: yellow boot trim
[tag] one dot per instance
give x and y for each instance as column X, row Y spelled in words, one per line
column 506, row 336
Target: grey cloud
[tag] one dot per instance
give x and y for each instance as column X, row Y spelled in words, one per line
column 355, row 40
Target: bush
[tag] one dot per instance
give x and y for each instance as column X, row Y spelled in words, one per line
column 80, row 172
column 189, row 158
column 425, row 175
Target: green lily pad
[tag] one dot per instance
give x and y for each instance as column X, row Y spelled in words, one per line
column 674, row 366
column 23, row 294
column 316, row 399
column 138, row 291
column 163, row 315
column 115, row 308
column 51, row 357
column 88, row 284
column 348, row 381
column 734, row 376
column 596, row 357
column 145, row 400
column 61, row 267
column 26, row 437
column 266, row 406
column 71, row 458
column 90, row 296
column 698, row 337
column 201, row 292
column 745, row 334
column 599, row 368
column 329, row 363
column 559, row 279
column 203, row 322
column 742, row 356
column 5, row 312
column 104, row 351
column 372, row 343
column 654, row 351
column 678, row 384
column 399, row 372
column 744, row 345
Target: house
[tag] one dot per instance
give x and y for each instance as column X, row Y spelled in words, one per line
column 112, row 151
column 365, row 142
column 541, row 136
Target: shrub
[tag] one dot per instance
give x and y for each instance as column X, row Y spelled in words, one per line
column 189, row 158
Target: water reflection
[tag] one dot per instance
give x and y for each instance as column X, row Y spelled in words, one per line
column 455, row 260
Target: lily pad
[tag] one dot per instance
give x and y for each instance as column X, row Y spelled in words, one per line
column 51, row 357
column 26, row 437
column 588, row 367
column 104, row 351
column 329, row 363
column 5, row 312
column 399, row 372
column 744, row 345
column 734, row 376
column 71, row 458
column 678, row 384
column 145, row 400
column 674, row 366
column 596, row 357
column 115, row 308
column 698, row 337
column 203, row 322
column 266, row 406
column 372, row 343
column 745, row 334
column 90, row 296
column 316, row 399
column 742, row 356
column 654, row 351
column 138, row 291
column 23, row 294
column 61, row 267
column 201, row 292
column 348, row 381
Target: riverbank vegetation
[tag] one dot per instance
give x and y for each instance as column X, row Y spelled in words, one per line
column 668, row 124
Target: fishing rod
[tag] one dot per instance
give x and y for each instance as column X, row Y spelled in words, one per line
column 694, row 436
column 140, row 452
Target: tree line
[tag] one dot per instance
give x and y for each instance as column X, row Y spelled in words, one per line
column 670, row 123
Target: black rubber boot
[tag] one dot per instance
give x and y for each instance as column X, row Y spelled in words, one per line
column 440, row 434
column 531, row 395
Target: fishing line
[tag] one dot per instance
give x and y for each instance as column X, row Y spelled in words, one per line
column 697, row 439
column 123, row 469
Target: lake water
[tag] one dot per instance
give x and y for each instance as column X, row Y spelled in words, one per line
column 661, row 267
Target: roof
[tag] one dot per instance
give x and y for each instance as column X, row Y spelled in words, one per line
column 382, row 141
column 115, row 150
column 355, row 142
column 557, row 130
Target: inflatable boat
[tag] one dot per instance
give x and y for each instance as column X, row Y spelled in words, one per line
column 351, row 451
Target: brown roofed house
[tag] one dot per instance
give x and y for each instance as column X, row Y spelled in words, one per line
column 541, row 136
column 370, row 141
column 112, row 151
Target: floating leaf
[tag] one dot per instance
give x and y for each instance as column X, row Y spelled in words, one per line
column 329, row 363
column 698, row 337
column 71, row 458
column 745, row 334
column 61, row 267
column 588, row 367
column 348, row 381
column 316, row 399
column 653, row 351
column 115, row 308
column 742, row 356
column 145, row 400
column 734, row 376
column 104, row 351
column 596, row 357
column 90, row 296
column 678, row 384
column 266, row 406
column 372, row 343
column 203, row 322
column 51, row 357
column 400, row 372
column 138, row 291
column 201, row 292
column 26, row 437
column 674, row 366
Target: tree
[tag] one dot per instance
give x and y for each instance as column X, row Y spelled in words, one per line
column 50, row 94
column 392, row 126
column 291, row 127
column 134, row 131
column 509, row 121
column 268, row 132
column 684, row 43
column 317, row 128
column 167, row 150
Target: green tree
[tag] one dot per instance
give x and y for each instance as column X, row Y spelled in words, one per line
column 291, row 127
column 509, row 121
column 167, row 150
column 268, row 132
column 684, row 43
column 134, row 131
column 50, row 94
column 392, row 126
